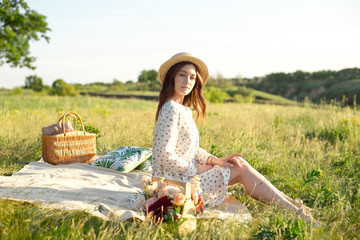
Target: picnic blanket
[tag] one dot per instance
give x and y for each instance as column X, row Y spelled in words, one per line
column 100, row 191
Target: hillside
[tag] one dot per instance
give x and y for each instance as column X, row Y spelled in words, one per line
column 257, row 96
column 324, row 86
column 321, row 86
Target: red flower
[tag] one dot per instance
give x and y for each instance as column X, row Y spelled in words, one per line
column 200, row 208
column 159, row 207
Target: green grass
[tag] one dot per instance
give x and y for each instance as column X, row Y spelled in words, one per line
column 131, row 93
column 271, row 98
column 258, row 96
column 311, row 153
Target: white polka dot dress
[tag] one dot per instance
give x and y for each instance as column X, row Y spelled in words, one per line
column 176, row 153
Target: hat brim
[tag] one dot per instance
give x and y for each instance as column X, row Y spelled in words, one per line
column 202, row 68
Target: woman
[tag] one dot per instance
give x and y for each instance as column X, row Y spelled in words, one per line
column 176, row 151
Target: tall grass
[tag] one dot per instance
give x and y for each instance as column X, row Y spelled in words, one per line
column 311, row 153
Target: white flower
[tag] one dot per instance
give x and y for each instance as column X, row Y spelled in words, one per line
column 173, row 190
column 146, row 180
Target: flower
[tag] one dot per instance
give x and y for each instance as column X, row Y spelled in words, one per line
column 179, row 199
column 195, row 198
column 199, row 206
column 158, row 208
column 173, row 190
column 195, row 189
column 151, row 190
column 195, row 179
column 149, row 202
column 146, row 180
column 155, row 185
column 165, row 202
column 195, row 185
column 162, row 188
column 163, row 193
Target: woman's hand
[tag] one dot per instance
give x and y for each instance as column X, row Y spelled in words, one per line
column 228, row 161
column 203, row 168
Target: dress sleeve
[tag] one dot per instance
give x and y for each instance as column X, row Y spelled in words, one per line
column 164, row 143
column 202, row 156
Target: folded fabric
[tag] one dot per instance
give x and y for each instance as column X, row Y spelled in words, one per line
column 125, row 159
column 78, row 186
column 100, row 191
column 56, row 128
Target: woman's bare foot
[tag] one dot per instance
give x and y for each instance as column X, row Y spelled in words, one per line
column 306, row 216
column 298, row 203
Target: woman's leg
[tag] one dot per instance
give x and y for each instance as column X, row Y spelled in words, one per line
column 298, row 203
column 258, row 187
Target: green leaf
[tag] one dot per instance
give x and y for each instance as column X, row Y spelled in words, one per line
column 106, row 163
column 19, row 26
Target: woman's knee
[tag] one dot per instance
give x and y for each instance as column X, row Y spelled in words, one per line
column 237, row 173
column 244, row 167
column 244, row 163
column 243, row 171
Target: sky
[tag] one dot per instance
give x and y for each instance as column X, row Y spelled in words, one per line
column 99, row 41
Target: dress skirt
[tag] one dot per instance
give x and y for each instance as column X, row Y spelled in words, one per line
column 214, row 184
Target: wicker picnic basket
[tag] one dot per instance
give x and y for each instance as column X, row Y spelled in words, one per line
column 69, row 146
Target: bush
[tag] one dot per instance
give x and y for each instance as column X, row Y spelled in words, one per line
column 17, row 92
column 244, row 99
column 61, row 88
column 215, row 95
column 117, row 85
column 238, row 98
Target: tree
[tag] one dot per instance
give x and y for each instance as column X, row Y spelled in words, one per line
column 61, row 88
column 18, row 25
column 348, row 74
column 129, row 82
column 300, row 76
column 155, row 86
column 58, row 82
column 148, row 76
column 278, row 77
column 323, row 75
column 34, row 82
column 117, row 85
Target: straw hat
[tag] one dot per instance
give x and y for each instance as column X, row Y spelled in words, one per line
column 183, row 57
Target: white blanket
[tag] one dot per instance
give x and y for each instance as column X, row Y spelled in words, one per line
column 102, row 192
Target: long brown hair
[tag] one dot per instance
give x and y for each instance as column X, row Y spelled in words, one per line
column 194, row 99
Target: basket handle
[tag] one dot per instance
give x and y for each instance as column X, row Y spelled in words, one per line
column 185, row 185
column 68, row 116
column 75, row 116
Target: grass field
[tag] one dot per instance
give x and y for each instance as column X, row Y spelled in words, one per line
column 311, row 153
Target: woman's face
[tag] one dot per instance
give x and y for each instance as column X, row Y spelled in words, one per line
column 184, row 81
